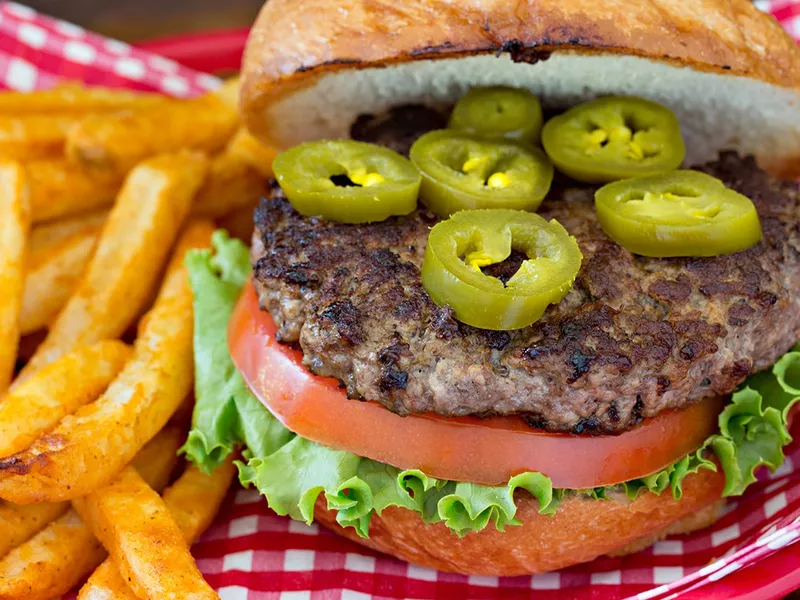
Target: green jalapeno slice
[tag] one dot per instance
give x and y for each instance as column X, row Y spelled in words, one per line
column 499, row 112
column 459, row 247
column 461, row 171
column 682, row 213
column 347, row 181
column 614, row 138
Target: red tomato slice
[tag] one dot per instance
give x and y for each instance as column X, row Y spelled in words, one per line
column 487, row 451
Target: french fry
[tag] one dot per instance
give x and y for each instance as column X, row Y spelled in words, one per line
column 60, row 556
column 135, row 242
column 29, row 137
column 87, row 449
column 253, row 152
column 143, row 539
column 52, row 562
column 19, row 523
column 229, row 92
column 117, row 142
column 54, row 272
column 14, row 225
column 193, row 501
column 45, row 236
column 74, row 380
column 75, row 98
column 60, row 189
column 231, row 184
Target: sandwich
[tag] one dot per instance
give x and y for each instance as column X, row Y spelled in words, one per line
column 526, row 288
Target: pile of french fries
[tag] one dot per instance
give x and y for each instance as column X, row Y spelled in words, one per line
column 102, row 192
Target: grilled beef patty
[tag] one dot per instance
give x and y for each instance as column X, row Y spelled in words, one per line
column 635, row 336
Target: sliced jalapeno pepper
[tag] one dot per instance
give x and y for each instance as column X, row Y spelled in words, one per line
column 459, row 247
column 499, row 112
column 683, row 213
column 347, row 181
column 461, row 171
column 614, row 138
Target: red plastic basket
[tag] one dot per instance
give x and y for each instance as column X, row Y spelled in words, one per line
column 251, row 554
column 212, row 52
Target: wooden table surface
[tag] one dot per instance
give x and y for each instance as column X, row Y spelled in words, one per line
column 143, row 19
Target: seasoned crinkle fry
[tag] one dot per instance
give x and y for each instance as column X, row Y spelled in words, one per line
column 54, row 272
column 253, row 152
column 193, row 501
column 231, row 184
column 14, row 225
column 20, row 522
column 77, row 99
column 37, row 405
column 146, row 544
column 60, row 189
column 60, row 556
column 28, row 137
column 88, row 448
column 117, row 142
column 141, row 227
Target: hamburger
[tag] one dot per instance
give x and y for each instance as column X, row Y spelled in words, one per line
column 563, row 329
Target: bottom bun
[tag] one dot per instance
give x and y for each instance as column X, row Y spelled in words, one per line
column 705, row 517
column 581, row 530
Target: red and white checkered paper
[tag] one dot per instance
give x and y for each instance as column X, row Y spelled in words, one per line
column 252, row 554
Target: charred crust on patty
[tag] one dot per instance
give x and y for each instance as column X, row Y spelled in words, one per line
column 506, row 269
column 636, row 411
column 588, row 425
column 580, row 364
column 741, row 369
column 399, row 127
column 391, row 354
column 443, row 323
column 347, row 319
column 634, row 337
column 496, row 340
column 666, row 290
column 535, row 421
column 393, row 378
column 740, row 314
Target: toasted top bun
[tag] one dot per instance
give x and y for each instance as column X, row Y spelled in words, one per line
column 729, row 71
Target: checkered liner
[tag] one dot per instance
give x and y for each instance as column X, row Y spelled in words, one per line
column 252, row 554
column 37, row 51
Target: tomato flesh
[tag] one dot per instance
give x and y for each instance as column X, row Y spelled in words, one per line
column 486, row 451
